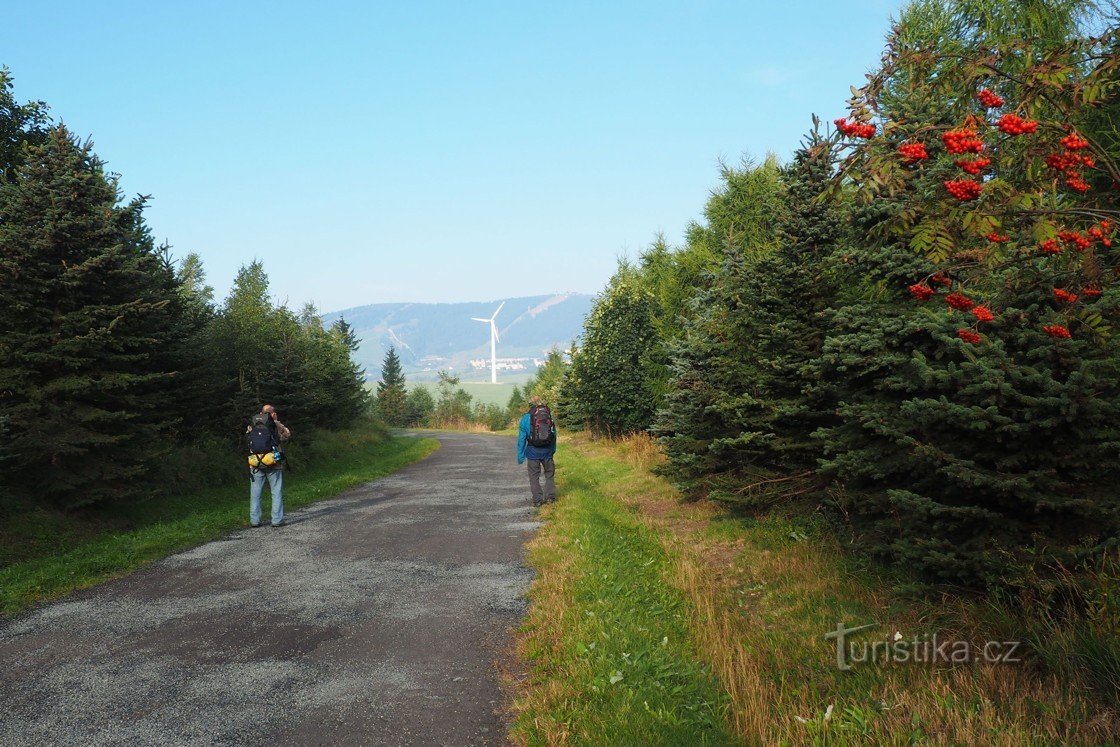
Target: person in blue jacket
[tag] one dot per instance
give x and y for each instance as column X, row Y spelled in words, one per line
column 540, row 457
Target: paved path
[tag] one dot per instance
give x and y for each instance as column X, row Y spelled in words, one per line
column 374, row 618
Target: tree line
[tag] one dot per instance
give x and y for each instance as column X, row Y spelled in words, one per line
column 908, row 326
column 112, row 353
column 452, row 406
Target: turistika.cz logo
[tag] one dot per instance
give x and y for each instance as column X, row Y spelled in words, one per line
column 924, row 649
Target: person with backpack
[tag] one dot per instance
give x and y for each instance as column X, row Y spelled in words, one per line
column 536, row 442
column 266, row 463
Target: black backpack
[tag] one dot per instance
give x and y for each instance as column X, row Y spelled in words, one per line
column 541, row 427
column 261, row 437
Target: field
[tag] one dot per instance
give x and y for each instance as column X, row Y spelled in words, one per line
column 480, row 391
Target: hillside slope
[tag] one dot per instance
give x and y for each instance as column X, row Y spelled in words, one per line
column 431, row 336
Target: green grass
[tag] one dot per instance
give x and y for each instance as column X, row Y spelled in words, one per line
column 48, row 554
column 712, row 628
column 606, row 638
column 480, row 391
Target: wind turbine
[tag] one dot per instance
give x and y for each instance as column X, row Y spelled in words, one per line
column 493, row 343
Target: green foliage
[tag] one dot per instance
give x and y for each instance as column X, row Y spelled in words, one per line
column 547, row 384
column 111, row 354
column 617, row 636
column 419, row 406
column 453, row 407
column 743, row 400
column 21, row 126
column 391, row 392
column 608, row 389
column 90, row 330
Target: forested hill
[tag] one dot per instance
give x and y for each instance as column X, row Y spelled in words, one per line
column 442, row 335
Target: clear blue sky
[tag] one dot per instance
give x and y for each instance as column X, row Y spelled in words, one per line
column 422, row 151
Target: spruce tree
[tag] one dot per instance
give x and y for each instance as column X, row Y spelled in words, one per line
column 21, row 125
column 744, row 399
column 87, row 385
column 391, row 391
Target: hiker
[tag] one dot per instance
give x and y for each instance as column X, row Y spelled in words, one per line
column 536, row 441
column 266, row 462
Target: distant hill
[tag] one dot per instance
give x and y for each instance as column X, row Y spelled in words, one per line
column 431, row 336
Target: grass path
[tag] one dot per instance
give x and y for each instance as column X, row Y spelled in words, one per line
column 657, row 622
column 121, row 541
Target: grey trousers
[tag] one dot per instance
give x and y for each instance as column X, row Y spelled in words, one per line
column 536, row 467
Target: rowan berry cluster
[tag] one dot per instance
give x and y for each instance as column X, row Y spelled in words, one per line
column 855, row 129
column 1057, row 330
column 1073, row 141
column 963, row 140
column 983, row 314
column 1060, row 294
column 968, row 336
column 974, row 166
column 1100, row 232
column 913, row 152
column 1013, row 124
column 989, row 99
column 921, row 291
column 963, row 189
column 959, row 301
column 998, row 238
column 1079, row 242
column 1050, row 246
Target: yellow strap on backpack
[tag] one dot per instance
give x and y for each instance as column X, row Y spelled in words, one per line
column 267, row 459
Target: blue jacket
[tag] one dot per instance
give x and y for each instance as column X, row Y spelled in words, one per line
column 526, row 450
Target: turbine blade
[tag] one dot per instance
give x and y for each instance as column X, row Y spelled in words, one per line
column 476, row 319
column 503, row 303
column 494, row 331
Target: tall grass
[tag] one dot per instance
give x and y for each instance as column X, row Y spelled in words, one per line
column 758, row 594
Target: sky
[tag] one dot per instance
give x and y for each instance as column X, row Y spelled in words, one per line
column 372, row 152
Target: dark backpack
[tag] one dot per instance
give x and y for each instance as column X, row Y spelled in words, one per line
column 541, row 427
column 261, row 437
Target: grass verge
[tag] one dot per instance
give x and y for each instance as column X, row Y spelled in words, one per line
column 58, row 553
column 750, row 602
column 611, row 660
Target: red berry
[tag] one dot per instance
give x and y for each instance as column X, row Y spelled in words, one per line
column 968, row 336
column 989, row 99
column 959, row 301
column 1057, row 330
column 983, row 314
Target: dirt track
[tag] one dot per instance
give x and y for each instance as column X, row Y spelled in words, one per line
column 372, row 618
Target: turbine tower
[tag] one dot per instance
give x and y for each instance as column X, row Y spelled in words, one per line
column 493, row 343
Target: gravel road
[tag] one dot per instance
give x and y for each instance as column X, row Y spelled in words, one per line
column 374, row 618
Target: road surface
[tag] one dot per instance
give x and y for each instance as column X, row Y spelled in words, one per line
column 374, row 618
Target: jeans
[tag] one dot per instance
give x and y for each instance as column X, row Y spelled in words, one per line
column 275, row 479
column 536, row 467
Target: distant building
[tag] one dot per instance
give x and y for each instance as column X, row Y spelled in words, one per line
column 505, row 364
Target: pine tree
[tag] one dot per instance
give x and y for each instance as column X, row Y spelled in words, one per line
column 391, row 390
column 88, row 329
